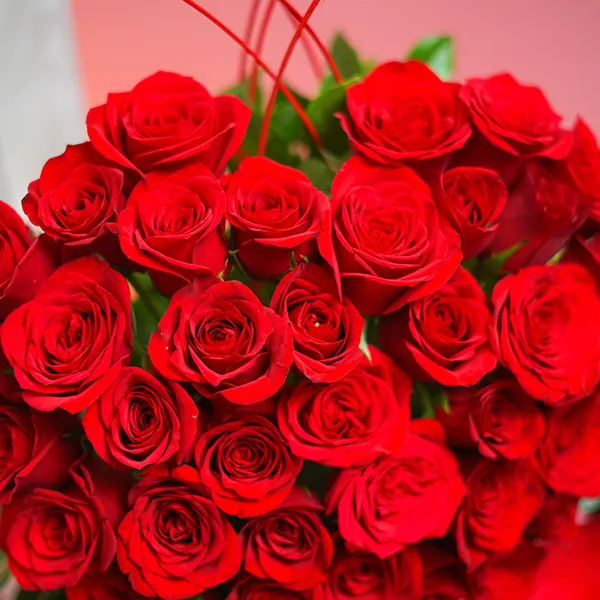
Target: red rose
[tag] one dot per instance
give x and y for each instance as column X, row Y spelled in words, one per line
column 112, row 585
column 567, row 459
column 250, row 588
column 502, row 498
column 327, row 331
column 444, row 336
column 246, row 465
column 275, row 212
column 141, row 421
column 472, row 200
column 387, row 243
column 68, row 344
column 363, row 575
column 455, row 418
column 547, row 331
column 515, row 118
column 444, row 575
column 33, row 449
column 24, row 265
column 556, row 522
column 218, row 336
column 352, row 421
column 174, row 543
column 289, row 545
column 173, row 227
column 53, row 537
column 506, row 422
column 398, row 500
column 168, row 121
column 404, row 112
column 77, row 200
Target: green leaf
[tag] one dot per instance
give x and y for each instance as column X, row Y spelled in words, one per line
column 319, row 173
column 588, row 506
column 148, row 307
column 364, row 344
column 436, row 52
column 242, row 91
column 427, row 398
column 345, row 57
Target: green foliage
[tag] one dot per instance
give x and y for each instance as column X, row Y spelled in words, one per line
column 345, row 57
column 319, row 173
column 426, row 399
column 437, row 52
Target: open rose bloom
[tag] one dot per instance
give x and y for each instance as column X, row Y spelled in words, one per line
column 336, row 348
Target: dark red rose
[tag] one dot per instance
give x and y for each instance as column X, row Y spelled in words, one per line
column 24, row 265
column 363, row 575
column 141, row 421
column 327, row 331
column 174, row 543
column 543, row 211
column 251, row 588
column 506, row 422
column 443, row 337
column 567, row 459
column 387, row 243
column 218, row 336
column 67, row 345
column 275, row 212
column 77, row 200
column 455, row 418
column 33, row 451
column 290, row 544
column 52, row 538
column 444, row 575
column 508, row 576
column 168, row 121
column 515, row 118
column 398, row 500
column 556, row 522
column 112, row 585
column 246, row 465
column 172, row 226
column 351, row 421
column 585, row 251
column 472, row 199
column 547, row 331
column 502, row 498
column 404, row 112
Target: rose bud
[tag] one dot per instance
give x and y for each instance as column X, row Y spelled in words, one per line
column 112, row 585
column 246, row 465
column 275, row 213
column 68, row 344
column 547, row 331
column 443, row 337
column 386, row 243
column 168, row 121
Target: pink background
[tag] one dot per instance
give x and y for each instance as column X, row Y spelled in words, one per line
column 552, row 43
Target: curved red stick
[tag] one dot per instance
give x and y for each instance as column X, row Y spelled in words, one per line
column 248, row 36
column 264, row 130
column 259, row 47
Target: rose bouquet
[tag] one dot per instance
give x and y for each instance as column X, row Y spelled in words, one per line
column 316, row 349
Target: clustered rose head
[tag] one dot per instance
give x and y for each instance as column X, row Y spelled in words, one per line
column 219, row 382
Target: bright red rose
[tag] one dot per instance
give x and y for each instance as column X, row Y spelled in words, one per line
column 112, row 585
column 404, row 112
column 472, row 199
column 362, row 575
column 556, row 522
column 547, row 331
column 327, row 331
column 174, row 543
column 515, row 118
column 141, row 421
column 251, row 588
column 386, row 243
column 218, row 336
column 24, row 265
column 398, row 500
column 67, row 345
column 77, row 200
column 567, row 459
column 173, row 226
column 246, row 465
column 506, row 422
column 167, row 121
column 352, row 421
column 443, row 337
column 33, row 450
column 289, row 545
column 502, row 498
column 275, row 213
column 444, row 575
column 53, row 537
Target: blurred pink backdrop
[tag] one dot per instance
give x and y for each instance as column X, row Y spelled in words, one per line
column 552, row 43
